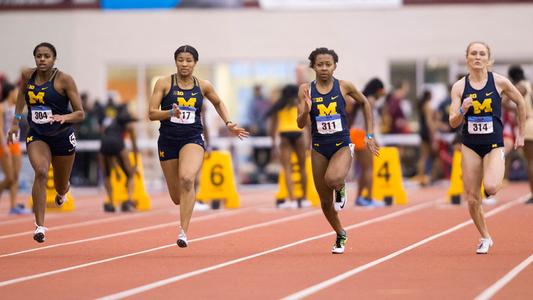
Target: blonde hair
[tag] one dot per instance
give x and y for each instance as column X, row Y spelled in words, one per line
column 491, row 62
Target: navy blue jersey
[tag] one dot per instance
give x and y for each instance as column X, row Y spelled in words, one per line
column 328, row 114
column 190, row 103
column 483, row 124
column 43, row 101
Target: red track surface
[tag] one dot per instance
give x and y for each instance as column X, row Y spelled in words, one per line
column 263, row 253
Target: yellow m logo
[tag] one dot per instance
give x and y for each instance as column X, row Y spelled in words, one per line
column 485, row 106
column 190, row 103
column 36, row 98
column 323, row 110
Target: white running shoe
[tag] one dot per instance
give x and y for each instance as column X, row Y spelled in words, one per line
column 484, row 245
column 201, row 206
column 340, row 243
column 39, row 232
column 304, row 203
column 339, row 200
column 288, row 204
column 182, row 239
column 490, row 200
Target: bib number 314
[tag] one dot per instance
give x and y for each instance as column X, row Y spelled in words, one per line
column 480, row 125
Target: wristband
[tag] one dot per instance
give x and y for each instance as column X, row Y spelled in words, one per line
column 18, row 116
column 227, row 122
column 171, row 112
column 369, row 136
column 461, row 110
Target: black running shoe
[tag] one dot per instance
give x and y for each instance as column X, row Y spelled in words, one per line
column 38, row 235
column 182, row 240
column 127, row 206
column 109, row 207
column 60, row 200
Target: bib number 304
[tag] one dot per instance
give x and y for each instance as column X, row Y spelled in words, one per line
column 41, row 114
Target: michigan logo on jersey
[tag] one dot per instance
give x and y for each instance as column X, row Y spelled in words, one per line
column 39, row 98
column 331, row 109
column 183, row 102
column 485, row 106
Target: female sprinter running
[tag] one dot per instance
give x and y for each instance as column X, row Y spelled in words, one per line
column 322, row 106
column 177, row 103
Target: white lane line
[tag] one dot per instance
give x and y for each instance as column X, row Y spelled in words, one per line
column 91, row 222
column 498, row 285
column 327, row 283
column 107, row 220
column 264, row 224
column 176, row 278
column 141, row 229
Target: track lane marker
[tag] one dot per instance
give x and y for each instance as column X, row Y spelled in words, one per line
column 327, row 283
column 264, row 224
column 498, row 285
column 176, row 278
column 111, row 235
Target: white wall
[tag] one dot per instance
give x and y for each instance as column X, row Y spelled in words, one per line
column 365, row 40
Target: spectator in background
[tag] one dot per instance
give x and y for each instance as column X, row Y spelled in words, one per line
column 85, row 170
column 113, row 152
column 10, row 154
column 516, row 73
column 443, row 127
column 89, row 128
column 373, row 91
column 258, row 107
column 428, row 136
column 394, row 117
column 289, row 138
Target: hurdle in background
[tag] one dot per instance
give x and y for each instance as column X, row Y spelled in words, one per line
column 51, row 196
column 120, row 190
column 456, row 180
column 217, row 181
column 283, row 193
column 387, row 182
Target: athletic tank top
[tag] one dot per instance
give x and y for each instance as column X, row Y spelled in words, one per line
column 9, row 115
column 328, row 115
column 483, row 123
column 43, row 101
column 189, row 124
column 287, row 119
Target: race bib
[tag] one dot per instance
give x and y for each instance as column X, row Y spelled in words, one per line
column 188, row 115
column 41, row 114
column 480, row 125
column 328, row 124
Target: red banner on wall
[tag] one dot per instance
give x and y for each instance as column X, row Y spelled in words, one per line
column 47, row 4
